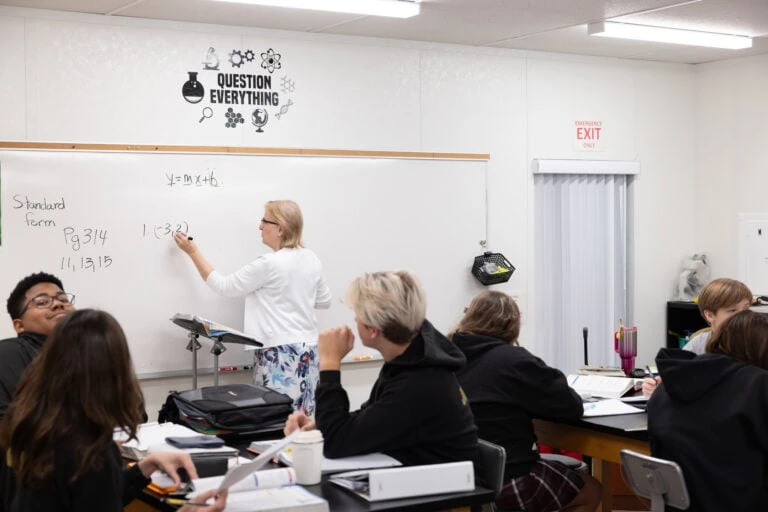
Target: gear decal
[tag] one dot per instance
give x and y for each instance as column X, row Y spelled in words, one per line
column 236, row 58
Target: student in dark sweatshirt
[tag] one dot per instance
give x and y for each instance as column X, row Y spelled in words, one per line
column 417, row 412
column 710, row 415
column 508, row 387
column 36, row 305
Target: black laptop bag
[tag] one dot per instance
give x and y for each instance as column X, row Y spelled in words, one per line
column 229, row 410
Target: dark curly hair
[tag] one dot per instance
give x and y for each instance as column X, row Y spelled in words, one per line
column 16, row 299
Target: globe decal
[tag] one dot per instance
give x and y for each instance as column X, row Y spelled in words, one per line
column 259, row 118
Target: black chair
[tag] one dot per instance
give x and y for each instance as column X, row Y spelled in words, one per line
column 489, row 467
column 658, row 480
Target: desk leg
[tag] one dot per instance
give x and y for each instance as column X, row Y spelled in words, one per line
column 602, row 471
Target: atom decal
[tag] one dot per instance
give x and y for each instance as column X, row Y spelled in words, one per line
column 270, row 60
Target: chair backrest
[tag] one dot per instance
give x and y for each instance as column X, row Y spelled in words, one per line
column 490, row 463
column 659, row 480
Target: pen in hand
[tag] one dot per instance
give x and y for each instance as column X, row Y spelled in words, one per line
column 179, row 501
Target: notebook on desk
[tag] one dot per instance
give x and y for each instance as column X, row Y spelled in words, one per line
column 600, row 386
column 368, row 461
column 264, row 493
column 609, row 407
column 151, row 438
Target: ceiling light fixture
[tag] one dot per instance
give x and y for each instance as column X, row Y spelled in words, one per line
column 668, row 35
column 388, row 8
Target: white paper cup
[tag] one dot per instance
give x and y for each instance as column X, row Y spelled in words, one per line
column 307, row 454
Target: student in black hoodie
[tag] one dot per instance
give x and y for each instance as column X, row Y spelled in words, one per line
column 35, row 306
column 710, row 415
column 507, row 388
column 417, row 412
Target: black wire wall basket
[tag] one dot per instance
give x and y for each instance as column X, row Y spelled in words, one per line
column 492, row 268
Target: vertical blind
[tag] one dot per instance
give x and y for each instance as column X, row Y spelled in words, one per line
column 580, row 277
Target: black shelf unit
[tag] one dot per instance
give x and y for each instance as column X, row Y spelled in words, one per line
column 682, row 318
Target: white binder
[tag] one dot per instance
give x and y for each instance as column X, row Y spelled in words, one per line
column 406, row 482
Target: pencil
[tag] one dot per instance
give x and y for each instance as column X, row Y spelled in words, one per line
column 178, row 501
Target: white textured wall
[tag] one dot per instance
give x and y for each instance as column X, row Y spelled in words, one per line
column 731, row 159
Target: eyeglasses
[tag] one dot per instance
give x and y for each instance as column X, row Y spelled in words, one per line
column 44, row 300
column 265, row 221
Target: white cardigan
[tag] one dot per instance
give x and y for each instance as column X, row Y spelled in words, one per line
column 282, row 290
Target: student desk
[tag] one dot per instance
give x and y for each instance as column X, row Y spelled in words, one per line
column 601, row 438
column 341, row 499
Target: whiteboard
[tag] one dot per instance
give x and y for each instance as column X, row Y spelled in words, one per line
column 102, row 221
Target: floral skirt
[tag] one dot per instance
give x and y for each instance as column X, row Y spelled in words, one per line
column 293, row 369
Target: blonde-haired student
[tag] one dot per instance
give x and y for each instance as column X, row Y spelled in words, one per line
column 719, row 300
column 508, row 387
column 417, row 411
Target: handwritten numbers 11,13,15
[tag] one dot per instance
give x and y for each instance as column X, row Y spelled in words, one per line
column 92, row 264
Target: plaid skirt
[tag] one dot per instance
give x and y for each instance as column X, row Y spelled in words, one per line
column 548, row 486
column 292, row 369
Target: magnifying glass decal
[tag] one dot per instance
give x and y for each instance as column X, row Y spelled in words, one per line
column 207, row 114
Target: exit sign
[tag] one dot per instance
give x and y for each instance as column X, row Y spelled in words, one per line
column 588, row 135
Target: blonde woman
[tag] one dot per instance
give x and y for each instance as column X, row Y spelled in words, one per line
column 417, row 412
column 281, row 289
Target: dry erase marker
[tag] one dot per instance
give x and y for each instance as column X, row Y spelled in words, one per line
column 190, row 238
column 363, row 358
column 228, row 369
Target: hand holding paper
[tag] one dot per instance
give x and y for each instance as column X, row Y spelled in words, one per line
column 238, row 473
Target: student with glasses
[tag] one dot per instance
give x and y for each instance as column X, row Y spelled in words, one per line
column 281, row 289
column 36, row 305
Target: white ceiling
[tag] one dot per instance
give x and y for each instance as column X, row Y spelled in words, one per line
column 546, row 25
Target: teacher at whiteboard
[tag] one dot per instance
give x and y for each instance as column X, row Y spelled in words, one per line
column 281, row 289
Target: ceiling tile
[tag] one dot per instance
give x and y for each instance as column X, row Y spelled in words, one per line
column 575, row 40
column 88, row 6
column 544, row 25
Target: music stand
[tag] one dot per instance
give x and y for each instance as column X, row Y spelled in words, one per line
column 219, row 334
